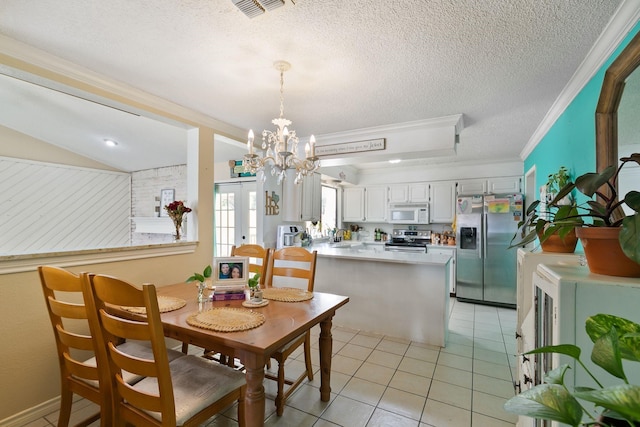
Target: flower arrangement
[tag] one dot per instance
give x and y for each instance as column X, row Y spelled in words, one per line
column 176, row 211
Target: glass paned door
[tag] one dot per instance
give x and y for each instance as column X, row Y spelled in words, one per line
column 235, row 216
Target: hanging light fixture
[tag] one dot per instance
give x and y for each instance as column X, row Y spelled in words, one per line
column 280, row 147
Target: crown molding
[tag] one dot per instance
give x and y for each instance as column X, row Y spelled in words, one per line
column 616, row 30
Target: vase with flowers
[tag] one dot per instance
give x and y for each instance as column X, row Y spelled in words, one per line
column 176, row 211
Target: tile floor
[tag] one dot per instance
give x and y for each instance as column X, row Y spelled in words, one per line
column 384, row 381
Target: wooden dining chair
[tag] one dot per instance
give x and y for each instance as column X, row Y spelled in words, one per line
column 69, row 318
column 298, row 264
column 183, row 392
column 255, row 253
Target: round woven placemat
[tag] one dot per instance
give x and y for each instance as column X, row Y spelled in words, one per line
column 164, row 303
column 226, row 319
column 286, row 294
column 250, row 304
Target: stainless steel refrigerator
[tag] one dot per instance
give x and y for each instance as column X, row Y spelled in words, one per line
column 486, row 269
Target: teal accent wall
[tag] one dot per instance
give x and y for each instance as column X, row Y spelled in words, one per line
column 571, row 141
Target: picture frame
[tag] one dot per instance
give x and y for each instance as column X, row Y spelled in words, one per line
column 225, row 268
column 167, row 195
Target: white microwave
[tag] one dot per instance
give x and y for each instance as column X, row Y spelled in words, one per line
column 408, row 213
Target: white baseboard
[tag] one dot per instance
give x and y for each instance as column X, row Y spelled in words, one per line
column 32, row 414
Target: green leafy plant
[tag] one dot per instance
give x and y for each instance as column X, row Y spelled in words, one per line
column 206, row 274
column 606, row 210
column 558, row 180
column 254, row 281
column 614, row 338
column 560, row 219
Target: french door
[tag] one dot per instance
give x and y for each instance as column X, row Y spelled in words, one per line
column 235, row 219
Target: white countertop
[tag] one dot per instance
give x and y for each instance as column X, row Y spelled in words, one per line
column 374, row 251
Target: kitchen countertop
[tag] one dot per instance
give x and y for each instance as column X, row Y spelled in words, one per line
column 374, row 251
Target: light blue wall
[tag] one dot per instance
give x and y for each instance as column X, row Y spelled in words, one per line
column 571, row 140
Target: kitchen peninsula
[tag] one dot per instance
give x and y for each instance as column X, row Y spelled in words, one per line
column 404, row 295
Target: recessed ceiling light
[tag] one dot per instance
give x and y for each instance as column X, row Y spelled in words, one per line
column 394, row 161
column 110, row 142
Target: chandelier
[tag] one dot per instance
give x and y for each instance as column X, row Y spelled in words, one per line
column 280, row 147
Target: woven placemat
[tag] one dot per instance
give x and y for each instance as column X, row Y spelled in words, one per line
column 250, row 304
column 164, row 303
column 226, row 319
column 286, row 294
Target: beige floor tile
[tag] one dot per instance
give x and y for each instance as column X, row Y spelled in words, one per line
column 480, row 420
column 492, row 370
column 402, row 403
column 494, row 386
column 418, row 367
column 488, row 335
column 384, row 358
column 450, row 394
column 438, row 414
column 455, row 338
column 497, row 357
column 307, row 399
column 345, row 365
column 458, row 349
column 355, row 351
column 395, row 347
column 455, row 361
column 338, row 381
column 375, row 373
column 411, row 383
column 363, row 391
column 348, row 412
column 422, row 353
column 291, row 418
column 453, row 376
column 365, row 340
column 491, row 406
column 382, row 418
column 325, row 423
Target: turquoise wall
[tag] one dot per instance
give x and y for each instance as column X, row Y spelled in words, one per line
column 571, row 141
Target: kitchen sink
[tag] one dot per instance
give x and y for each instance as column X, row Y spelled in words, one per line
column 344, row 245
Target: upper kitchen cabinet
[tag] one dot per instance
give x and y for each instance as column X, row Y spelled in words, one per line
column 302, row 202
column 508, row 184
column 442, row 201
column 409, row 193
column 364, row 204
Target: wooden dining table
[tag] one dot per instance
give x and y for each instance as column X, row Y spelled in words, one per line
column 284, row 321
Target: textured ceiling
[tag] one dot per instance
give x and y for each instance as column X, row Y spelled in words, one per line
column 355, row 64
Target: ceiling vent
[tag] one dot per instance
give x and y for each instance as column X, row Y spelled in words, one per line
column 253, row 8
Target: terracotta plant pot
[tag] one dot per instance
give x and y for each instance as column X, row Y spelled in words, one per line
column 604, row 254
column 564, row 245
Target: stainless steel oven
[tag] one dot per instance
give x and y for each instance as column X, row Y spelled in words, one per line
column 408, row 241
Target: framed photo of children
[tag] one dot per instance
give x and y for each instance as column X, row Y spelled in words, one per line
column 231, row 270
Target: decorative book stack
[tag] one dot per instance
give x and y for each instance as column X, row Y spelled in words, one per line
column 228, row 292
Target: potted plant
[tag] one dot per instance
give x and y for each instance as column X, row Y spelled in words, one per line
column 204, row 281
column 254, row 288
column 555, row 225
column 614, row 339
column 612, row 239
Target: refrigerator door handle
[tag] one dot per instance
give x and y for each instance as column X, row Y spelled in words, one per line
column 485, row 229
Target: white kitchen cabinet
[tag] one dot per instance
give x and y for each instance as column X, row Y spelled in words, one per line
column 311, row 198
column 451, row 251
column 302, row 202
column 368, row 204
column 376, row 204
column 353, row 204
column 468, row 187
column 509, row 184
column 442, row 201
column 505, row 184
column 417, row 192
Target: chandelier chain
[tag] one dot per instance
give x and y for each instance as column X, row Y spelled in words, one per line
column 281, row 93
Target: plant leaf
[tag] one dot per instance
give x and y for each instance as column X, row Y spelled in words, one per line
column 628, row 333
column 547, row 401
column 566, row 349
column 207, row 271
column 630, row 236
column 623, row 399
column 632, row 199
column 589, row 183
column 556, row 376
column 606, row 354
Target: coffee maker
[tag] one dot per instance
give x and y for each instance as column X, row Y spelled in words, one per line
column 286, row 235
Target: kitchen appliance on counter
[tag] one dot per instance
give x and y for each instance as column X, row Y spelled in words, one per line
column 408, row 213
column 286, row 235
column 486, row 269
column 408, row 241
